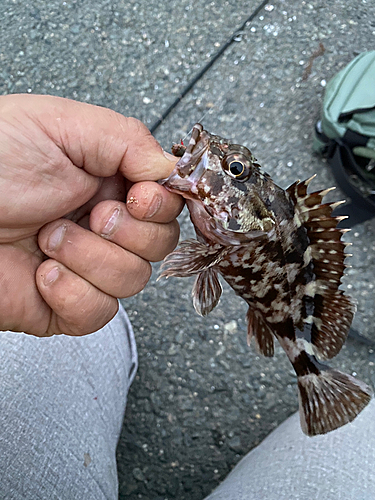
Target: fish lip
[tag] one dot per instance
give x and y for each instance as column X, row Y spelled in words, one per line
column 182, row 185
column 195, row 158
column 175, row 184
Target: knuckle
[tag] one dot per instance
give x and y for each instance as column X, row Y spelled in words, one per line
column 133, row 283
column 132, row 126
column 158, row 240
column 169, row 239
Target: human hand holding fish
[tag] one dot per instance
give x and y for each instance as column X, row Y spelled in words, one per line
column 280, row 250
column 69, row 245
column 64, row 169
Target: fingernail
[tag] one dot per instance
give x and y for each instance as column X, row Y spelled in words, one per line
column 111, row 222
column 51, row 276
column 154, row 206
column 56, row 237
column 169, row 156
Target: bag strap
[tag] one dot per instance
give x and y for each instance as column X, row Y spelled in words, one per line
column 353, row 139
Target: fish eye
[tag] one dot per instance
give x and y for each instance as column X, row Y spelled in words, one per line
column 237, row 166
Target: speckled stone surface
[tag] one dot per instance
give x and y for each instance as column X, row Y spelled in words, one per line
column 202, row 398
column 131, row 56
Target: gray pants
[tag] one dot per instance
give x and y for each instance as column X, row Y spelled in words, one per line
column 62, row 402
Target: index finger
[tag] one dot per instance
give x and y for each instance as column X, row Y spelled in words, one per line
column 151, row 202
column 96, row 139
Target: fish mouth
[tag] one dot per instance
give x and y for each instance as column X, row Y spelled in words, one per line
column 189, row 170
column 186, row 186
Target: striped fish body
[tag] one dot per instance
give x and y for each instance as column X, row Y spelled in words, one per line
column 281, row 252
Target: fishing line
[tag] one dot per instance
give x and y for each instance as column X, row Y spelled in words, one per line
column 201, row 118
column 233, row 38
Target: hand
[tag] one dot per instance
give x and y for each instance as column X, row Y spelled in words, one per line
column 69, row 244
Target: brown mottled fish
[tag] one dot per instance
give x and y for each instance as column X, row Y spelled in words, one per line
column 281, row 252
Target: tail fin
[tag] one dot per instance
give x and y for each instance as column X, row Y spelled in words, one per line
column 329, row 400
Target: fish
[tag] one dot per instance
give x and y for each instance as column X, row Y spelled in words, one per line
column 281, row 252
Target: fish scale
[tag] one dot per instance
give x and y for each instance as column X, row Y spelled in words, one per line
column 279, row 250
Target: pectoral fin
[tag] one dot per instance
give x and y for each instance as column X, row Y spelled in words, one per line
column 191, row 257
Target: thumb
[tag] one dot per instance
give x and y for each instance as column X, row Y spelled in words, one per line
column 96, row 139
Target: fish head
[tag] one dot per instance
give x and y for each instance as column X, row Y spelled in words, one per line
column 225, row 188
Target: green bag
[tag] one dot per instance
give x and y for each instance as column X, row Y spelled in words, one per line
column 345, row 134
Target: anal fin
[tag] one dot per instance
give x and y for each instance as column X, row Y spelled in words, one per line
column 258, row 329
column 330, row 399
column 332, row 318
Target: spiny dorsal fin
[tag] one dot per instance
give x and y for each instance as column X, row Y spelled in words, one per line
column 258, row 329
column 309, row 206
column 333, row 311
column 326, row 248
